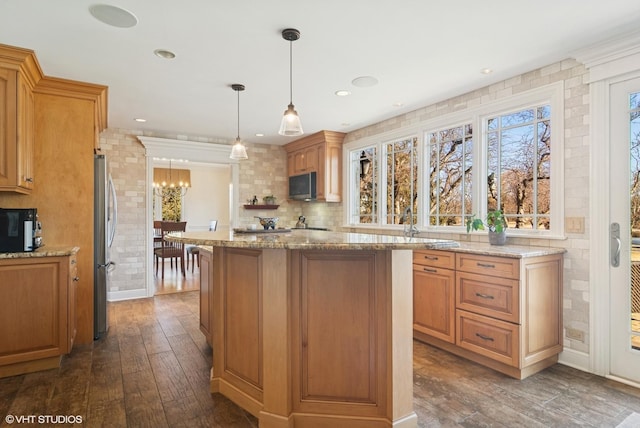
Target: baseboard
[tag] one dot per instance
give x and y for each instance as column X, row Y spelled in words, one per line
column 138, row 293
column 576, row 359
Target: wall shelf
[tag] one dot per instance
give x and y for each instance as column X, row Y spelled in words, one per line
column 260, row 207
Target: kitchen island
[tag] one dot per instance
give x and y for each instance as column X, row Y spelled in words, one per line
column 311, row 328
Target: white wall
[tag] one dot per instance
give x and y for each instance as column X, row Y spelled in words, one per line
column 208, row 197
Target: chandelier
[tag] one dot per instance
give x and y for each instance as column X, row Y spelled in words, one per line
column 169, row 178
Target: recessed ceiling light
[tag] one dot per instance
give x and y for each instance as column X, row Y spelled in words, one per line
column 163, row 53
column 345, row 124
column 364, row 81
column 139, row 119
column 486, row 71
column 113, row 16
column 397, row 104
column 259, row 135
column 343, row 93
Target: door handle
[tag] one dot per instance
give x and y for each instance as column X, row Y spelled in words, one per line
column 615, row 245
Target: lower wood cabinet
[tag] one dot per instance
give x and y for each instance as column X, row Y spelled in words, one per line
column 434, row 281
column 206, row 293
column 38, row 316
column 506, row 312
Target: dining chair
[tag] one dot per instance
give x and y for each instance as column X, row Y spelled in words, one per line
column 193, row 252
column 157, row 234
column 168, row 249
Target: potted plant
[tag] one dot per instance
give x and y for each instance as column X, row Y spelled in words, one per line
column 496, row 223
column 269, row 200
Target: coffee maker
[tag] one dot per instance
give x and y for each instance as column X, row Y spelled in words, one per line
column 20, row 230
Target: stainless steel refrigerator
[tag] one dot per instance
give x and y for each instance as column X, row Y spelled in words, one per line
column 105, row 221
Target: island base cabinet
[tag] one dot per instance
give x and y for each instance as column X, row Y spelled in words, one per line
column 206, row 282
column 314, row 338
column 37, row 320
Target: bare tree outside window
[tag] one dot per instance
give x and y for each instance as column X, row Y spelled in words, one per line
column 401, row 179
column 519, row 167
column 634, row 123
column 364, row 170
column 450, row 167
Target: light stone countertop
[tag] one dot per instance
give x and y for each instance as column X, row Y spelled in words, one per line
column 303, row 239
column 44, row 251
column 512, row 251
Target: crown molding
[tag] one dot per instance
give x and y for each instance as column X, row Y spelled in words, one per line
column 612, row 57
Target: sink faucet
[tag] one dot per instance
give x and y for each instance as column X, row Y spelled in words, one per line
column 410, row 229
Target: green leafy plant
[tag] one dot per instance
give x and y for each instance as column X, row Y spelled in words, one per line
column 495, row 221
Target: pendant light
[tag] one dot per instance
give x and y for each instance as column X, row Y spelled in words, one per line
column 290, row 125
column 238, row 151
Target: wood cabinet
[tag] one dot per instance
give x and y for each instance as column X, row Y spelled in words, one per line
column 69, row 116
column 19, row 73
column 37, row 322
column 206, row 285
column 434, row 294
column 320, row 153
column 508, row 311
column 72, row 322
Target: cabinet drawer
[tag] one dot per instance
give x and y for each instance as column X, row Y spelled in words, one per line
column 492, row 338
column 491, row 296
column 488, row 265
column 441, row 259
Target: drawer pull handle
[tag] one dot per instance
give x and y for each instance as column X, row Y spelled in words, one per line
column 486, row 265
column 430, row 270
column 483, row 337
column 485, row 296
column 430, row 257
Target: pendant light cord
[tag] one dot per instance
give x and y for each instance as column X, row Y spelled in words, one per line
column 290, row 71
column 238, row 114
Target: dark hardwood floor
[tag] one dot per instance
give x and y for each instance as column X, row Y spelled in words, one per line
column 173, row 280
column 152, row 370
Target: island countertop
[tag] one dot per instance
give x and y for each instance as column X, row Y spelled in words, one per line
column 308, row 240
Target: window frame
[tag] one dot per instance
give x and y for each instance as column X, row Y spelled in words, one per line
column 552, row 94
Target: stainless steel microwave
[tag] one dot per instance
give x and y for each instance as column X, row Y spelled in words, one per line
column 303, row 187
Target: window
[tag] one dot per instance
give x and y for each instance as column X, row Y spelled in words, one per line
column 450, row 172
column 364, row 169
column 519, row 167
column 401, row 180
column 170, row 203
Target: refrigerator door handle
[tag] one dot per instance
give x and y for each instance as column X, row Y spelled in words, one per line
column 113, row 215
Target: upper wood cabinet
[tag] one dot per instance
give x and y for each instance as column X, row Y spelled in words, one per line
column 320, row 153
column 19, row 73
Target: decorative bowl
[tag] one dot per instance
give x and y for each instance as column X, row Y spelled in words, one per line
column 268, row 222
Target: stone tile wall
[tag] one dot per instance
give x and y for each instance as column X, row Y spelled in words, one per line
column 576, row 158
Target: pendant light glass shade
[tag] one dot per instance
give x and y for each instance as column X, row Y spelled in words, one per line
column 238, row 151
column 290, row 125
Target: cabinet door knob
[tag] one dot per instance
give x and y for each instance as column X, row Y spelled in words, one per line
column 28, row 179
column 76, row 278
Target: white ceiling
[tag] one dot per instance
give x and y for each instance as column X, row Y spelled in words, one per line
column 421, row 52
